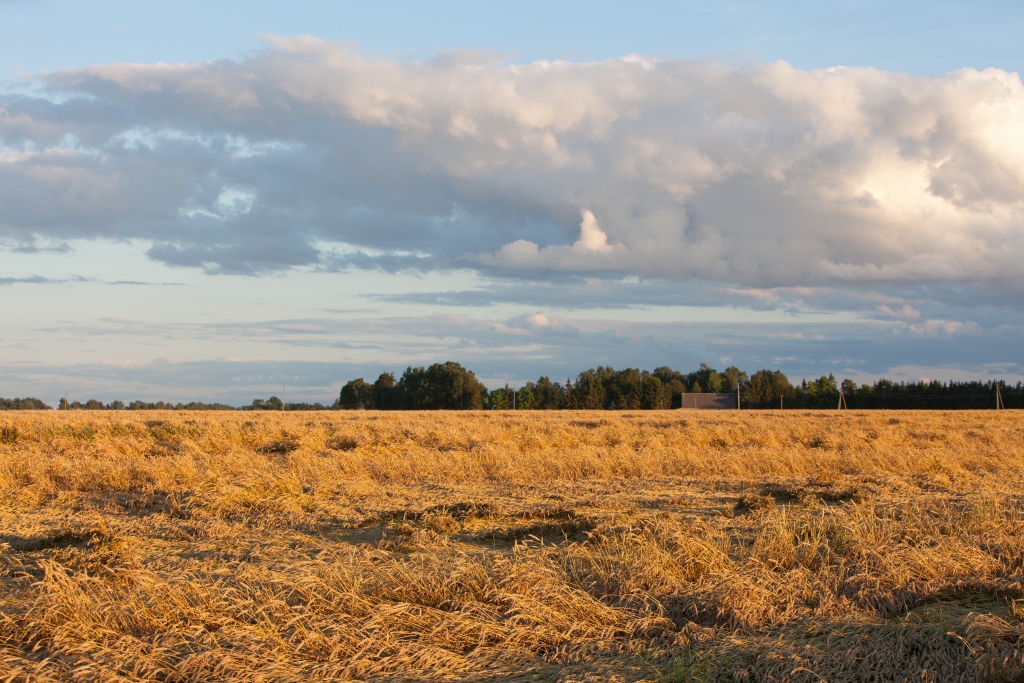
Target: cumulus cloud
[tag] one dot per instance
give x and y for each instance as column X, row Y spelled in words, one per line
column 759, row 176
column 592, row 238
column 538, row 320
column 589, row 252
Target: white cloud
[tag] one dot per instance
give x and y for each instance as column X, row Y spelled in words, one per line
column 759, row 176
column 124, row 363
column 592, row 238
column 766, row 295
column 934, row 327
column 538, row 320
column 907, row 312
column 589, row 252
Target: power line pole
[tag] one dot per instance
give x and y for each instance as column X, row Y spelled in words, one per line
column 999, row 399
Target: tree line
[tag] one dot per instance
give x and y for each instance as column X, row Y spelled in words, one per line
column 22, row 404
column 271, row 403
column 450, row 386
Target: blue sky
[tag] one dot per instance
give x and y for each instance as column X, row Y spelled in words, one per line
column 213, row 200
column 921, row 38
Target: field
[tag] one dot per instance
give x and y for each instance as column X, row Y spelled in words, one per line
column 563, row 546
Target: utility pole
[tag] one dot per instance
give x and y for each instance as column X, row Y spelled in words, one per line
column 737, row 394
column 999, row 399
column 284, row 388
column 842, row 400
column 513, row 397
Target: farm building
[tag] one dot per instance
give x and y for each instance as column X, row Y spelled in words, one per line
column 709, row 401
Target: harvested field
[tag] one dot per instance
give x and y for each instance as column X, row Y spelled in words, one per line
column 532, row 546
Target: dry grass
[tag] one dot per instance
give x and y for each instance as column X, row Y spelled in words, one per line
column 542, row 546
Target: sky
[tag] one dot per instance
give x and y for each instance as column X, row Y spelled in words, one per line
column 223, row 201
